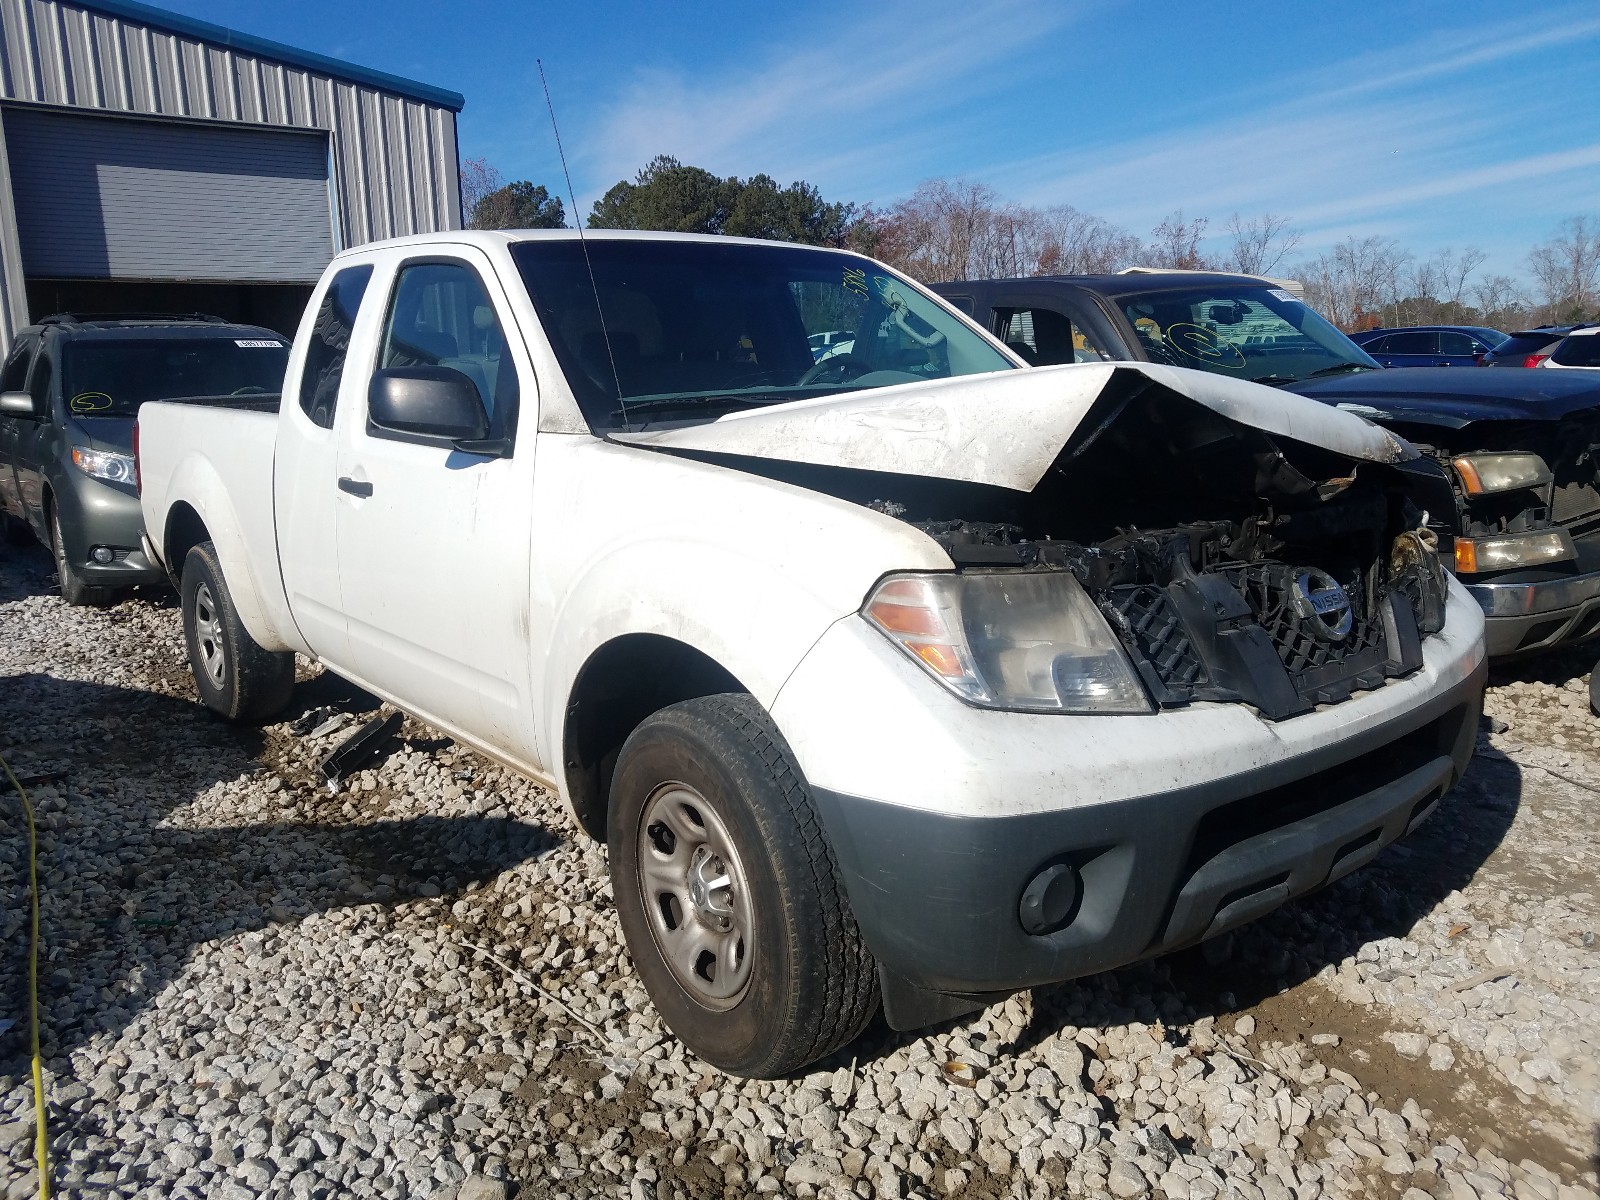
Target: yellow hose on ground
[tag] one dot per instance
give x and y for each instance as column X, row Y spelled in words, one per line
column 41, row 1142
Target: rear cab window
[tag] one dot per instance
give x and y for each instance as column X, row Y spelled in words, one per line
column 330, row 343
column 1045, row 337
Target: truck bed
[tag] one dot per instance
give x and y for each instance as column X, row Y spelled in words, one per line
column 216, row 460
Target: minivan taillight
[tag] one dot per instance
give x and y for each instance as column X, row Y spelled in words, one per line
column 1533, row 360
column 138, row 479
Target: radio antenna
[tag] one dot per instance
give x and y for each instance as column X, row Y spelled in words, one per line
column 605, row 335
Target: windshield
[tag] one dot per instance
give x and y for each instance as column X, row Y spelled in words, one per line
column 112, row 378
column 694, row 330
column 1264, row 334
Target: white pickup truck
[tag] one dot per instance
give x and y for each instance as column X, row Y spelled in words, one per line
column 905, row 674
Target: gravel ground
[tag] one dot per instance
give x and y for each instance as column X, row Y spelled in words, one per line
column 417, row 987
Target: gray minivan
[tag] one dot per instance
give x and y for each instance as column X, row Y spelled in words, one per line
column 69, row 391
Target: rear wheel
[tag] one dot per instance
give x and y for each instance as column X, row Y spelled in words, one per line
column 74, row 590
column 728, row 893
column 236, row 676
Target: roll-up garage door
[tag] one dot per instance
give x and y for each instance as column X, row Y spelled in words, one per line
column 119, row 198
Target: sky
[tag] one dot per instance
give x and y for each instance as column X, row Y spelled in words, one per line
column 1438, row 124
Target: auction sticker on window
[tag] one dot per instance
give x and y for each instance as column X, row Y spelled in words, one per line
column 1283, row 294
column 256, row 343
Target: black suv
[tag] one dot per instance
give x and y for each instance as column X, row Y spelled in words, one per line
column 1527, row 347
column 69, row 391
column 1522, row 448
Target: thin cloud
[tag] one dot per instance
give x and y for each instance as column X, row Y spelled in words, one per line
column 793, row 113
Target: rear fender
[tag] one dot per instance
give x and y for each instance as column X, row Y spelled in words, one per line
column 249, row 554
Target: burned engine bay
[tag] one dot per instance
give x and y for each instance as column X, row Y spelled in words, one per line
column 1233, row 565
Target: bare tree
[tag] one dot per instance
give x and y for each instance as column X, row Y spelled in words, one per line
column 478, row 179
column 1175, row 244
column 1078, row 243
column 1452, row 271
column 1499, row 294
column 1259, row 243
column 1353, row 281
column 1567, row 269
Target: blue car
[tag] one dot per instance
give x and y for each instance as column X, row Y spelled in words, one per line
column 1429, row 345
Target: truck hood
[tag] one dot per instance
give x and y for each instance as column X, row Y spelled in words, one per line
column 1455, row 397
column 1004, row 429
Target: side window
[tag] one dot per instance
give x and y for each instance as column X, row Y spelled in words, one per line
column 330, row 342
column 1045, row 337
column 14, row 375
column 441, row 316
column 964, row 303
column 1455, row 343
column 1377, row 345
column 1413, row 343
column 39, row 383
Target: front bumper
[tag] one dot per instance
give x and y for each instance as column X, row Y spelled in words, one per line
column 94, row 513
column 1521, row 618
column 1179, row 826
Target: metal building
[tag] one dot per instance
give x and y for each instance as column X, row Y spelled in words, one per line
column 151, row 162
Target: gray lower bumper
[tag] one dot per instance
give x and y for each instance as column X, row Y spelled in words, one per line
column 937, row 897
column 1520, row 618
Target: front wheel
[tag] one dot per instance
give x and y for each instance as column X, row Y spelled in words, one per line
column 237, row 677
column 728, row 892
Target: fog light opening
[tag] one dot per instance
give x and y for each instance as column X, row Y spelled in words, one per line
column 103, row 555
column 1050, row 900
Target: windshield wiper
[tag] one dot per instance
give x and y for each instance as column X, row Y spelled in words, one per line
column 1276, row 379
column 663, row 404
column 1337, row 367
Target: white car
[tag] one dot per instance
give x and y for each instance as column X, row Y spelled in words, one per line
column 907, row 676
column 1579, row 350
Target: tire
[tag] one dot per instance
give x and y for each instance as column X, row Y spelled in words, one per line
column 763, row 971
column 238, row 679
column 73, row 588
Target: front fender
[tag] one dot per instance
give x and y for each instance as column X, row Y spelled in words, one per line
column 747, row 571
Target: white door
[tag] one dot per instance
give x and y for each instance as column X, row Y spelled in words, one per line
column 305, row 467
column 434, row 541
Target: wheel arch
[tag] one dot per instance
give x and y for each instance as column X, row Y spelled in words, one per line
column 184, row 530
column 621, row 683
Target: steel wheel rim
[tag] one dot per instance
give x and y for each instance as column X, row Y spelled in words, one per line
column 696, row 895
column 208, row 635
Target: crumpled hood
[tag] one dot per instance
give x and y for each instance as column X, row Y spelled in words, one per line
column 1455, row 397
column 1004, row 429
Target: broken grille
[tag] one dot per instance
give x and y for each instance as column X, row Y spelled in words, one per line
column 1266, row 588
column 1158, row 634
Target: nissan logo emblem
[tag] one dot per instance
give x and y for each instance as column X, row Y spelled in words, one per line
column 1322, row 604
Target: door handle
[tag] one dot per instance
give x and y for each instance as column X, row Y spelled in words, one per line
column 356, row 487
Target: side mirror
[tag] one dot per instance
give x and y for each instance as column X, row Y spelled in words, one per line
column 436, row 402
column 16, row 404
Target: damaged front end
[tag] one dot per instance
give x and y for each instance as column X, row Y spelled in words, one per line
column 1231, row 564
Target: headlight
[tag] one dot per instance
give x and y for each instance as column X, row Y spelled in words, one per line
column 103, row 464
column 1026, row 640
column 1484, row 473
column 1504, row 551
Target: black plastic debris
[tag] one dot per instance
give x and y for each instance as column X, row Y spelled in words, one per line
column 360, row 748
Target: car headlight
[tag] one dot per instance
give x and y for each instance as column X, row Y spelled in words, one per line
column 1484, row 473
column 1025, row 640
column 103, row 464
column 1504, row 551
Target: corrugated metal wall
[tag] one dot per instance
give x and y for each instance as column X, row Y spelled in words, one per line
column 394, row 165
column 394, row 168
